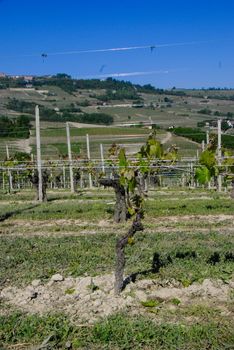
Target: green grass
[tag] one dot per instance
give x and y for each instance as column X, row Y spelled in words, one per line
column 186, row 255
column 24, row 259
column 150, row 303
column 42, row 257
column 120, row 331
column 186, row 147
column 93, row 131
column 54, row 140
column 192, row 207
column 103, row 210
column 160, row 205
column 55, row 210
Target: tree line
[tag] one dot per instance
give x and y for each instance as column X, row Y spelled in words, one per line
column 199, row 135
column 15, row 128
column 66, row 114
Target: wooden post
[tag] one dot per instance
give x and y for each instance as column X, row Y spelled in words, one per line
column 81, row 179
column 183, row 180
column 70, row 157
column 102, row 158
column 88, row 156
column 3, row 180
column 18, row 182
column 219, row 153
column 64, row 177
column 9, row 172
column 32, row 161
column 192, row 175
column 38, row 140
column 51, row 179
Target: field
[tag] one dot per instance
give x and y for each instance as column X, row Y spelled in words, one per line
column 163, row 109
column 182, row 290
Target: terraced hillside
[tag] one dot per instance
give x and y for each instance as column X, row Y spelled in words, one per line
column 128, row 106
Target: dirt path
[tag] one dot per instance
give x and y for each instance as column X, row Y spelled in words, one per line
column 23, row 145
column 221, row 224
column 83, row 125
column 166, row 138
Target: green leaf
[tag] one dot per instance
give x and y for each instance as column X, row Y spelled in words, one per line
column 207, row 159
column 203, row 175
column 132, row 184
column 122, row 158
column 122, row 180
column 131, row 211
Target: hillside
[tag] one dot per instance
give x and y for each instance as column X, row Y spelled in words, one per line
column 99, row 106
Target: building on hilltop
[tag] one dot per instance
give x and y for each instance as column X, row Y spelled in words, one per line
column 28, row 78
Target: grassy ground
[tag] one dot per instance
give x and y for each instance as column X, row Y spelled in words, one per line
column 27, row 258
column 186, row 147
column 192, row 231
column 110, row 131
column 54, row 141
column 120, row 332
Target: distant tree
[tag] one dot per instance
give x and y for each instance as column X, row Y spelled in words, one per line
column 17, row 127
column 224, row 125
column 168, row 100
column 22, row 156
column 62, row 76
column 205, row 111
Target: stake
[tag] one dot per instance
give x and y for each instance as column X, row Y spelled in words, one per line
column 192, row 175
column 207, row 137
column 203, row 145
column 3, row 181
column 219, row 152
column 88, row 156
column 70, row 157
column 9, row 172
column 102, row 158
column 64, row 177
column 38, row 139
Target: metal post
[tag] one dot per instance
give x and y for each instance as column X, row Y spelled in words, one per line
column 102, row 158
column 9, row 172
column 70, row 157
column 219, row 153
column 38, row 140
column 88, row 156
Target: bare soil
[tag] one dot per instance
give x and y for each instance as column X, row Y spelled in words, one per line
column 86, row 299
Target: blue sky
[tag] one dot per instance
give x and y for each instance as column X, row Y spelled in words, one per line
column 43, row 26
